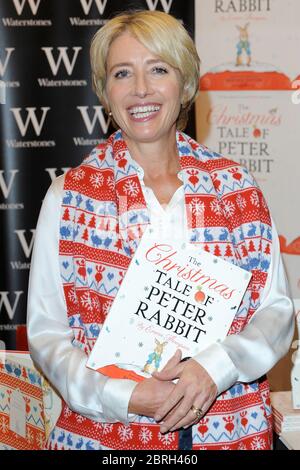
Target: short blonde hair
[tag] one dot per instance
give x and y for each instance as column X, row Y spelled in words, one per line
column 164, row 36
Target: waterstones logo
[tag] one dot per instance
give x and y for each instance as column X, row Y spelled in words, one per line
column 62, row 56
column 26, row 245
column 31, row 121
column 26, row 6
column 52, row 172
column 87, row 7
column 10, row 305
column 33, row 4
column 31, row 118
column 3, row 68
column 7, row 181
column 91, row 119
column 242, row 6
column 87, row 4
column 166, row 4
column 4, row 63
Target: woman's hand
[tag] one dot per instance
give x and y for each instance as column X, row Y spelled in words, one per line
column 149, row 395
column 195, row 388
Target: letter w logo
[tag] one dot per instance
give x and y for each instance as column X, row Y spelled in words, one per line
column 87, row 4
column 4, row 301
column 31, row 117
column 98, row 116
column 152, row 5
column 27, row 247
column 3, row 66
column 34, row 5
column 7, row 187
column 62, row 56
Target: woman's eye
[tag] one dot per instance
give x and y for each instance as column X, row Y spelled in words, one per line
column 121, row 74
column 160, row 70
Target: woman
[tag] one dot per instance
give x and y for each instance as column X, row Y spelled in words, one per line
column 145, row 71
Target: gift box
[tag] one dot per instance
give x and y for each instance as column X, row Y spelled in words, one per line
column 29, row 407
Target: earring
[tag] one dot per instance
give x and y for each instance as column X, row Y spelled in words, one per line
column 110, row 113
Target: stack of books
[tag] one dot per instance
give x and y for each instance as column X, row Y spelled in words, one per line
column 285, row 417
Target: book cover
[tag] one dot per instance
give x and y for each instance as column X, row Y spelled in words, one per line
column 174, row 295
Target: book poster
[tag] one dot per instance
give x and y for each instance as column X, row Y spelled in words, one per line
column 248, row 45
column 249, row 105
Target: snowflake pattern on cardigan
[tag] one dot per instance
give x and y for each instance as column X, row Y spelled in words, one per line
column 103, row 217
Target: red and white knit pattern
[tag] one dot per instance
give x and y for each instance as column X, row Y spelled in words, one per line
column 103, row 217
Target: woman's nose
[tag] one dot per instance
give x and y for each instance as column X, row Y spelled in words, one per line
column 141, row 85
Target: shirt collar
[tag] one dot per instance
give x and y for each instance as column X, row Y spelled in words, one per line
column 140, row 172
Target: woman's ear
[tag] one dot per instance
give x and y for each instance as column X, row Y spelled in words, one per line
column 104, row 102
column 184, row 96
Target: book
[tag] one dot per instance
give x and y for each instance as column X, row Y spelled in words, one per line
column 174, row 296
column 280, row 427
column 283, row 411
column 289, row 420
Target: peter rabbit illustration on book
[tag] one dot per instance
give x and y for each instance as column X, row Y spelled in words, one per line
column 154, row 358
column 243, row 45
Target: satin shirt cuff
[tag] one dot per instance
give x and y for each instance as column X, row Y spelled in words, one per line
column 215, row 360
column 115, row 399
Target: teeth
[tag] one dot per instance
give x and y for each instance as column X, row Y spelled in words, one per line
column 142, row 115
column 140, row 111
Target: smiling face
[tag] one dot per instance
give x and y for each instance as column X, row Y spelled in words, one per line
column 143, row 92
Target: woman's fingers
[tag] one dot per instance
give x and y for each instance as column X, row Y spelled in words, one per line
column 194, row 390
column 173, row 361
column 171, row 368
column 193, row 416
column 148, row 396
column 169, row 374
column 182, row 415
column 172, row 400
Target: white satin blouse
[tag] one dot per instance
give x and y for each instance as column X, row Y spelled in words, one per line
column 243, row 357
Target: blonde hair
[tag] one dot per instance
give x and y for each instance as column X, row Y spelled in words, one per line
column 161, row 34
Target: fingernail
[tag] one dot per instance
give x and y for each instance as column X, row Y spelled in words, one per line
column 163, row 429
column 157, row 417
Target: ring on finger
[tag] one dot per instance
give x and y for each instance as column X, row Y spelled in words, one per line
column 197, row 411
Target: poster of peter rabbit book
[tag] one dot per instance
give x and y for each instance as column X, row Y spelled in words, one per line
column 248, row 44
column 174, row 296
